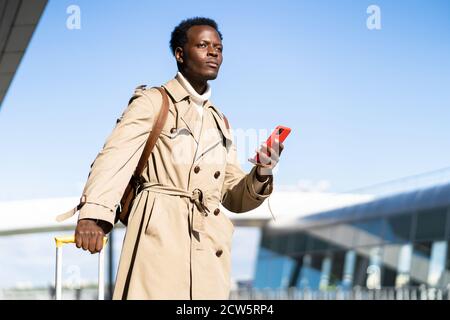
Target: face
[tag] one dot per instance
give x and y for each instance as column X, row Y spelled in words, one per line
column 201, row 57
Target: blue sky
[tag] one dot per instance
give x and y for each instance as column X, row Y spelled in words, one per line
column 365, row 106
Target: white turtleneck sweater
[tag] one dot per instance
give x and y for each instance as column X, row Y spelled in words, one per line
column 198, row 101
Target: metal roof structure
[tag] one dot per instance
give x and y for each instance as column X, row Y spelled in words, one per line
column 422, row 199
column 18, row 20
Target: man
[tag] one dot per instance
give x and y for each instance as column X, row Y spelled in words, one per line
column 178, row 243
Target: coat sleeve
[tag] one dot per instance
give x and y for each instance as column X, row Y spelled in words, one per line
column 238, row 191
column 115, row 164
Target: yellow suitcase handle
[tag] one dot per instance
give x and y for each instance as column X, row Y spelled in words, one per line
column 60, row 241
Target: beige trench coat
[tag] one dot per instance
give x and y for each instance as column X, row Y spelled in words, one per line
column 178, row 243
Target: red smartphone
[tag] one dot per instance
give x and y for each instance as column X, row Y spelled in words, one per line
column 280, row 133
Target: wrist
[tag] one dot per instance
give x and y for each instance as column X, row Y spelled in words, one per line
column 262, row 177
column 104, row 225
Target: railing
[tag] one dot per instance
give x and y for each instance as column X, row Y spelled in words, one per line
column 356, row 293
column 48, row 294
column 341, row 294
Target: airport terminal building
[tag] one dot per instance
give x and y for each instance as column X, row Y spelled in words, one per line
column 399, row 241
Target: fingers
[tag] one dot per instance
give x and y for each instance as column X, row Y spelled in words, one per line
column 268, row 156
column 264, row 158
column 78, row 240
column 85, row 240
column 251, row 160
column 96, row 241
column 264, row 149
column 99, row 244
column 277, row 147
column 89, row 236
column 273, row 154
column 92, row 241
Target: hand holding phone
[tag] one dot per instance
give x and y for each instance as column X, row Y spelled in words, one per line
column 269, row 161
column 280, row 133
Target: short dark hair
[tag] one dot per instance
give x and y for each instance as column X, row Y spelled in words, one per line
column 179, row 34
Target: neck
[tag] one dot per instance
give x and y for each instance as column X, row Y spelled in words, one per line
column 199, row 86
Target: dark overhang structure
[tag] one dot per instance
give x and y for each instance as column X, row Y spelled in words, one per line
column 18, row 20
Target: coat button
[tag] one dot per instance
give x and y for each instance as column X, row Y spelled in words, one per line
column 173, row 130
column 219, row 253
column 216, row 212
column 217, row 174
column 196, row 169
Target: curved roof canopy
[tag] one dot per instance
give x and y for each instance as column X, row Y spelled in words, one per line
column 18, row 20
column 422, row 199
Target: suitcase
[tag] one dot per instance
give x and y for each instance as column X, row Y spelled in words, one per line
column 60, row 242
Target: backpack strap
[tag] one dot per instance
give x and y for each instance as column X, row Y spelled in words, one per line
column 155, row 132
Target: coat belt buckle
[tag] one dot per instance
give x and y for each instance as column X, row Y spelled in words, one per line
column 137, row 184
column 198, row 200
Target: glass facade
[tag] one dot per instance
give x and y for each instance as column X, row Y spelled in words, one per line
column 398, row 250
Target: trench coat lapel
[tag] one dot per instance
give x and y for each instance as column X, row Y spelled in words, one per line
column 211, row 132
column 204, row 131
column 188, row 116
column 189, row 119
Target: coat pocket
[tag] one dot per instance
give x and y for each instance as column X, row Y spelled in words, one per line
column 140, row 210
column 220, row 230
column 134, row 206
column 153, row 215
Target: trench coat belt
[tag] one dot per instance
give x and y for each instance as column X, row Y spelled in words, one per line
column 200, row 210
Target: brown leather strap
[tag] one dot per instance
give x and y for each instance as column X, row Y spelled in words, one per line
column 155, row 132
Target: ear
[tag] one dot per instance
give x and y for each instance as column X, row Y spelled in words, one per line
column 179, row 55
